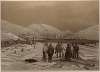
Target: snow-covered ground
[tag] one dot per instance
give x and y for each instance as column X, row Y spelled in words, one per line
column 13, row 59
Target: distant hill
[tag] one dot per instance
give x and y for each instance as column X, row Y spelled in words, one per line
column 44, row 30
column 8, row 27
column 36, row 30
column 9, row 36
column 91, row 33
column 67, row 34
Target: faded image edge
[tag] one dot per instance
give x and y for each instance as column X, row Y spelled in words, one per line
column 49, row 36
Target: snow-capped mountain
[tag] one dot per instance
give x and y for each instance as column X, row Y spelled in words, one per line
column 13, row 28
column 91, row 33
column 44, row 29
column 9, row 36
column 32, row 30
column 67, row 34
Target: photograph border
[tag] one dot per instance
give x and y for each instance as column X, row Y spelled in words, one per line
column 50, row 70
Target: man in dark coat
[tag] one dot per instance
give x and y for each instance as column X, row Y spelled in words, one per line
column 45, row 49
column 68, row 52
column 50, row 52
column 75, row 50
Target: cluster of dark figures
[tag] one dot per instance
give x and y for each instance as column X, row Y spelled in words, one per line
column 71, row 51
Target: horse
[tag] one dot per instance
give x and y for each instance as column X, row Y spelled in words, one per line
column 48, row 52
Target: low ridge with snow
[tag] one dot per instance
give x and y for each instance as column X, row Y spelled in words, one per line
column 13, row 28
column 8, row 36
column 91, row 33
column 44, row 29
column 68, row 34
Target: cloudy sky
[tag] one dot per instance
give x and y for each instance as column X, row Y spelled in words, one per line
column 65, row 15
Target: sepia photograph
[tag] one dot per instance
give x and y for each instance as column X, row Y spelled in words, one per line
column 50, row 35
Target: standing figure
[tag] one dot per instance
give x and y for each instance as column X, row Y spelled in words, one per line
column 58, row 50
column 45, row 50
column 68, row 52
column 75, row 50
column 50, row 52
column 22, row 50
column 14, row 51
column 33, row 42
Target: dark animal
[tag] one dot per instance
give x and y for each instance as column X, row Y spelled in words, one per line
column 30, row 60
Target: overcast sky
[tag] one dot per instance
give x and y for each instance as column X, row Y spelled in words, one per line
column 66, row 15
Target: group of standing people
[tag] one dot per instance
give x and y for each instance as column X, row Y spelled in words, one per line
column 72, row 51
column 68, row 52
